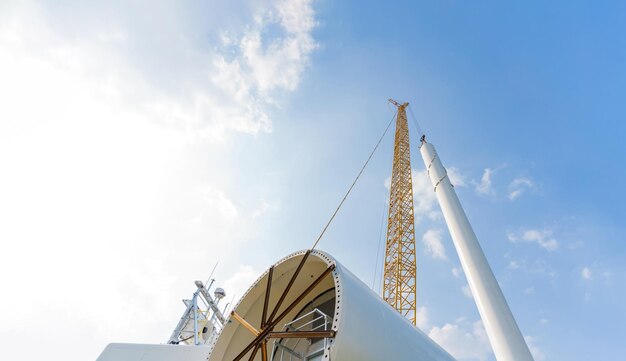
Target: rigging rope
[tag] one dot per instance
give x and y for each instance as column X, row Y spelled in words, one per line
column 353, row 183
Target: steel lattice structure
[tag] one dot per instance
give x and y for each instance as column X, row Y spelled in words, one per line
column 399, row 274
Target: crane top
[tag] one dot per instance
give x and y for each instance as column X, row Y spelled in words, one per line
column 403, row 105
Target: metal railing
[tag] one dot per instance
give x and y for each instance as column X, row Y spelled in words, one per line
column 300, row 349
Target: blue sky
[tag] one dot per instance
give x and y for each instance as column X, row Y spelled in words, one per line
column 141, row 144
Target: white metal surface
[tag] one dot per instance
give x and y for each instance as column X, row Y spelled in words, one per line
column 367, row 328
column 504, row 335
column 142, row 352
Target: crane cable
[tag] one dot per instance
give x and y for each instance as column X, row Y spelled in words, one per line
column 353, row 183
column 417, row 126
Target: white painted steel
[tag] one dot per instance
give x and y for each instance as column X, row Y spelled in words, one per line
column 142, row 352
column 371, row 330
column 367, row 328
column 504, row 335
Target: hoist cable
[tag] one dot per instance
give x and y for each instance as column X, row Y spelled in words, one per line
column 417, row 126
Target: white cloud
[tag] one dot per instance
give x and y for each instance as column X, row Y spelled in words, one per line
column 464, row 342
column 467, row 292
column 97, row 118
column 484, row 187
column 424, row 196
column 261, row 210
column 280, row 63
column 263, row 65
column 224, row 208
column 421, row 318
column 204, row 91
column 537, row 353
column 456, row 178
column 236, row 285
column 434, row 246
column 536, row 266
column 596, row 272
column 541, row 237
column 457, row 272
column 518, row 186
column 513, row 265
column 254, row 68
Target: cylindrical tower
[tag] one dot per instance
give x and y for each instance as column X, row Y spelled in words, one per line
column 504, row 335
column 342, row 319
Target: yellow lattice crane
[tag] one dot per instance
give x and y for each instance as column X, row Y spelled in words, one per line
column 399, row 274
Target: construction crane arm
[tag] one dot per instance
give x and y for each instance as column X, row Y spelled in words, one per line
column 396, row 103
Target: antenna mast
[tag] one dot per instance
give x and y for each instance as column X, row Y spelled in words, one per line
column 399, row 274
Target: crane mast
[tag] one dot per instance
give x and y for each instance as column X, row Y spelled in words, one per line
column 399, row 273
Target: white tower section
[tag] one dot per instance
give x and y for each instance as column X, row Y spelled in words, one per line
column 505, row 337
